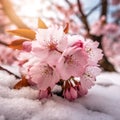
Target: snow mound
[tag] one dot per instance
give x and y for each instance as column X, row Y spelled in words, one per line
column 101, row 103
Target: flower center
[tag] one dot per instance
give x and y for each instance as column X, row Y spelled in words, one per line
column 68, row 59
column 52, row 46
column 48, row 70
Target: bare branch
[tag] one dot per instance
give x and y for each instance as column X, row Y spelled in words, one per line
column 94, row 8
column 1, row 68
column 83, row 16
column 3, row 43
column 70, row 4
column 104, row 8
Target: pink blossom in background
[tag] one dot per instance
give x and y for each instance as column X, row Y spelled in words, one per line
column 7, row 55
column 97, row 27
column 110, row 29
column 116, row 14
column 111, row 43
column 115, row 2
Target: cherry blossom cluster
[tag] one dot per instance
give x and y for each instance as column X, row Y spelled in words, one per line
column 7, row 55
column 55, row 57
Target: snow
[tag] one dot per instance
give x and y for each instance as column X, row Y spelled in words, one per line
column 101, row 103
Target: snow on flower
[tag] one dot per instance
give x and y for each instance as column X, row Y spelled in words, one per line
column 57, row 58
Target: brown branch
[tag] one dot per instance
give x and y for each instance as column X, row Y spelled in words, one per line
column 94, row 8
column 104, row 8
column 70, row 4
column 105, row 64
column 10, row 12
column 102, row 3
column 83, row 16
column 2, row 43
column 1, row 68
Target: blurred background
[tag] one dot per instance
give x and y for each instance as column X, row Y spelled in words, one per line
column 98, row 20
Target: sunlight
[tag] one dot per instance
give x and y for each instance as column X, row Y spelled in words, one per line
column 29, row 11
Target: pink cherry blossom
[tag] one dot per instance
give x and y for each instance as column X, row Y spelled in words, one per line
column 70, row 93
column 49, row 44
column 73, row 61
column 44, row 93
column 115, row 2
column 94, row 54
column 97, row 27
column 110, row 29
column 75, row 40
column 27, row 46
column 7, row 55
column 49, row 40
column 55, row 56
column 81, row 90
column 43, row 75
column 89, row 77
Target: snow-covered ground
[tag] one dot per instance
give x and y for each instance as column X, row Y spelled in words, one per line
column 101, row 103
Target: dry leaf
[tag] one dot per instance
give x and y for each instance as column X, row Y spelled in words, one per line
column 41, row 24
column 27, row 33
column 17, row 44
column 22, row 83
column 66, row 28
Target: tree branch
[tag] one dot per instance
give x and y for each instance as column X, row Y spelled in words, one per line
column 83, row 16
column 1, row 68
column 67, row 1
column 2, row 43
column 94, row 8
column 104, row 8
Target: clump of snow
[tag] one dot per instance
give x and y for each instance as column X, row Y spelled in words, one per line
column 101, row 103
column 7, row 80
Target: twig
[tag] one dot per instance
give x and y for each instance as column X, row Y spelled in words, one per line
column 2, row 43
column 83, row 16
column 104, row 8
column 94, row 8
column 67, row 1
column 1, row 68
